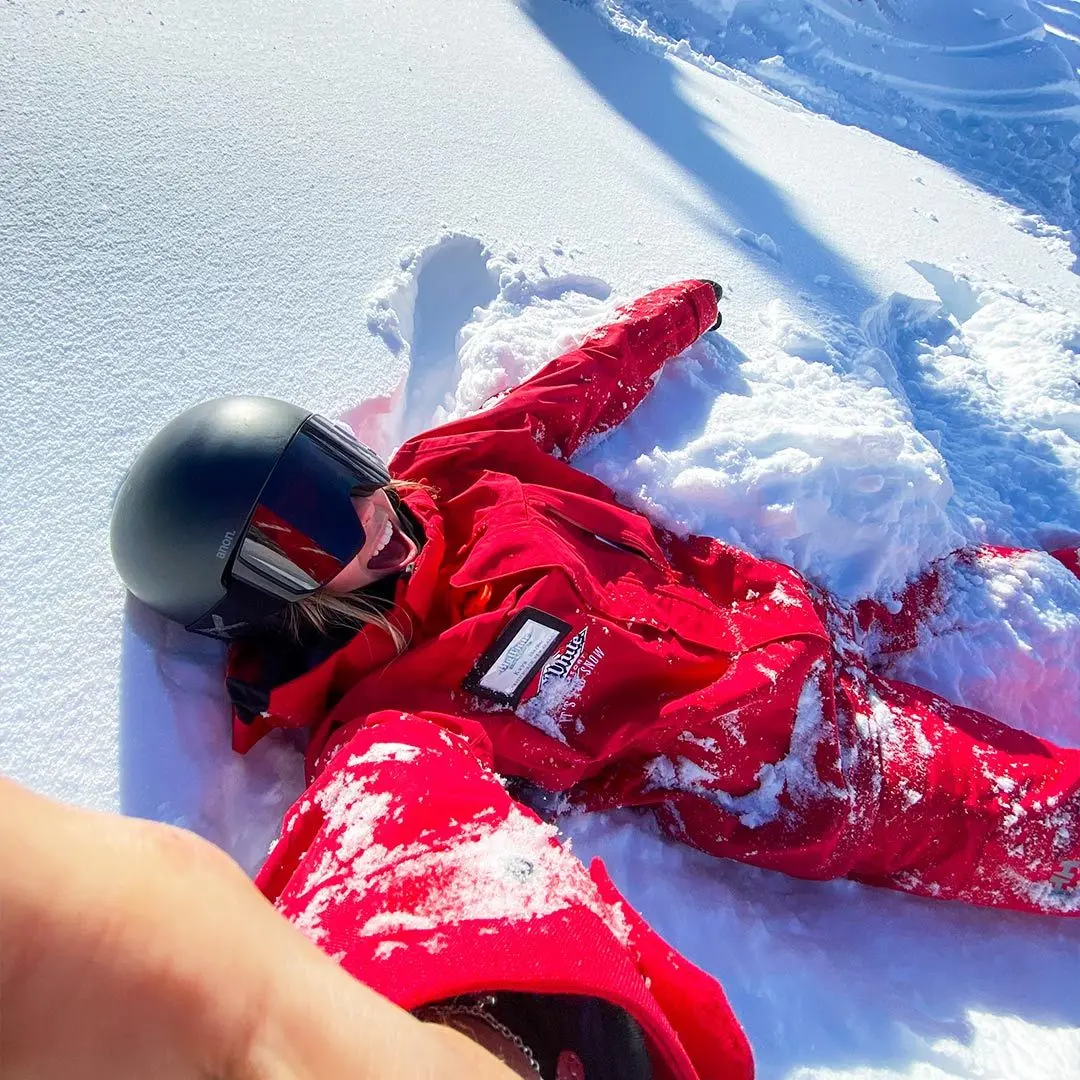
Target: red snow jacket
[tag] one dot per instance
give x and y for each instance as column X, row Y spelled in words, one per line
column 408, row 863
column 611, row 659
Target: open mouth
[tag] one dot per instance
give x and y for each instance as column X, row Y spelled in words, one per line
column 393, row 550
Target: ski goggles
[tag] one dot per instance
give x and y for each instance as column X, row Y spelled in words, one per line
column 303, row 530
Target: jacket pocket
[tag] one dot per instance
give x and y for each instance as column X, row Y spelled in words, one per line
column 639, row 589
column 626, row 546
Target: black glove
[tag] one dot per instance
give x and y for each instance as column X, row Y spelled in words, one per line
column 719, row 290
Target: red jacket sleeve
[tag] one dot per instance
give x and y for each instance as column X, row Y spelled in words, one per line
column 593, row 388
column 408, row 863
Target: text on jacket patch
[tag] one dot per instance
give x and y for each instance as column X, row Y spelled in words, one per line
column 562, row 664
column 559, row 665
column 516, row 656
column 512, row 666
column 562, row 679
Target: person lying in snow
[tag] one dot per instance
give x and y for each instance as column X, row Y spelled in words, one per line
column 481, row 583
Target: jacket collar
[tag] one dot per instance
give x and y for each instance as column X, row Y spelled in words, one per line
column 417, row 590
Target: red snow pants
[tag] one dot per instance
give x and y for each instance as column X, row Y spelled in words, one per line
column 875, row 779
column 408, row 863
column 969, row 807
column 981, row 810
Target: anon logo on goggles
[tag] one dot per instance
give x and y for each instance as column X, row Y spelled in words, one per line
column 303, row 530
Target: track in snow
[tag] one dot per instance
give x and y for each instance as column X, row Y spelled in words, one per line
column 991, row 90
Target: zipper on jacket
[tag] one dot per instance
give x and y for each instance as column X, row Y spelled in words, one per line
column 618, row 545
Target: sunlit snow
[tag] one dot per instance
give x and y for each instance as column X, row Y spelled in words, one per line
column 392, row 213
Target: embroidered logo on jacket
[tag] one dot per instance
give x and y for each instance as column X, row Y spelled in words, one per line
column 558, row 667
column 561, row 681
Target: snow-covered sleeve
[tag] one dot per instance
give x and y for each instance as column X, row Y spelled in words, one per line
column 408, row 863
column 592, row 388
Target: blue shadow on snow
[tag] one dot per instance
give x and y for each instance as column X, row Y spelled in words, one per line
column 640, row 86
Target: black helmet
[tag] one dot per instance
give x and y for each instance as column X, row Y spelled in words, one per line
column 237, row 507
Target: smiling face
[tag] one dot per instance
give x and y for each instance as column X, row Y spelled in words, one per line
column 387, row 549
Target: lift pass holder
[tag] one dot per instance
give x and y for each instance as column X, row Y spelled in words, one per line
column 516, row 656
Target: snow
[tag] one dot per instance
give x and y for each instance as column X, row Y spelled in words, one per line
column 794, row 774
column 503, row 868
column 834, row 980
column 1006, row 642
column 394, row 212
column 988, row 89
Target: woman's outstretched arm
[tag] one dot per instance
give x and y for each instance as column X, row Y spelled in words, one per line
column 592, row 388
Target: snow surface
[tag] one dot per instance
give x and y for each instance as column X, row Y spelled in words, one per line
column 391, row 212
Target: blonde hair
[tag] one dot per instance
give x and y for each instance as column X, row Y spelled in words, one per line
column 324, row 611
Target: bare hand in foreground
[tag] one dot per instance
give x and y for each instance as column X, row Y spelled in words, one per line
column 131, row 950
